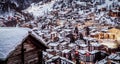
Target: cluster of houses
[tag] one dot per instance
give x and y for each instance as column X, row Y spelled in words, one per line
column 78, row 34
column 74, row 32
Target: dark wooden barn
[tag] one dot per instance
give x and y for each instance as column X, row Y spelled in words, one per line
column 20, row 46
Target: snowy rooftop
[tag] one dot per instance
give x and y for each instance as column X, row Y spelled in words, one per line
column 115, row 56
column 62, row 58
column 83, row 45
column 64, row 43
column 85, row 51
column 94, row 51
column 89, row 38
column 10, row 38
column 82, row 51
column 66, row 51
column 104, row 61
column 53, row 44
column 49, row 55
column 96, row 44
column 72, row 45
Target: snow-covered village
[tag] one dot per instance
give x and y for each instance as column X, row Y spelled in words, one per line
column 59, row 31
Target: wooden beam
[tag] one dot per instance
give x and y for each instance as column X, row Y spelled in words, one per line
column 22, row 53
column 40, row 57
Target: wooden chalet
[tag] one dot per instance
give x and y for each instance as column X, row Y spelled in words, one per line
column 20, row 46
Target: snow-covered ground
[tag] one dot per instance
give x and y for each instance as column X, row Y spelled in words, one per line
column 40, row 9
column 7, row 14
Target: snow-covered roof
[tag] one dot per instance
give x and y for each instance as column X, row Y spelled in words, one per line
column 105, row 30
column 93, row 34
column 64, row 43
column 50, row 16
column 49, row 50
column 48, row 55
column 81, row 12
column 10, row 38
column 72, row 45
column 45, row 31
column 115, row 56
column 53, row 44
column 66, row 51
column 81, row 3
column 79, row 42
column 98, row 17
column 85, row 51
column 101, row 6
column 40, row 33
column 94, row 51
column 62, row 58
column 89, row 38
column 63, row 12
column 54, row 32
column 95, row 44
column 67, row 30
column 82, row 51
column 104, row 61
column 83, row 45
